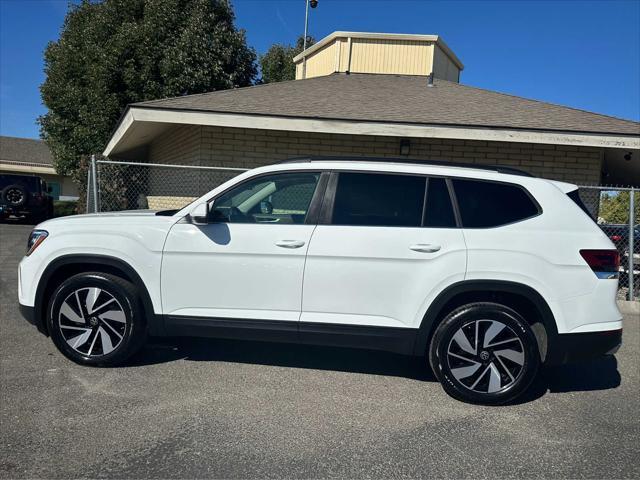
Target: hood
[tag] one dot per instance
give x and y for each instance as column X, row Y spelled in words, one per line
column 123, row 213
column 111, row 218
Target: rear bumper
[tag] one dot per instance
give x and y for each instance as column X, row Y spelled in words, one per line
column 578, row 347
column 7, row 211
column 29, row 314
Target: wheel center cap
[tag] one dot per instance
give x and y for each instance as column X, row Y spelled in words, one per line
column 93, row 321
column 484, row 355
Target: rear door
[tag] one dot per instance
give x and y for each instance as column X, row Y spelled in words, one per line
column 378, row 257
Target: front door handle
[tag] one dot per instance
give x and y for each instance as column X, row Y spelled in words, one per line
column 425, row 247
column 290, row 243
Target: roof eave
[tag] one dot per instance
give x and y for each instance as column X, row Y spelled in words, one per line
column 153, row 115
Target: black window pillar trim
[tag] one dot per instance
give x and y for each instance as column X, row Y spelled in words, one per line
column 454, row 202
column 326, row 212
column 315, row 207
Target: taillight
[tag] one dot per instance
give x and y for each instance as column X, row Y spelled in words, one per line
column 615, row 238
column 604, row 263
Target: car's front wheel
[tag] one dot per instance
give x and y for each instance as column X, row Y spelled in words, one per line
column 484, row 353
column 96, row 319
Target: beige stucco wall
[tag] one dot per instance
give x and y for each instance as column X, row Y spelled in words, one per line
column 381, row 56
column 391, row 56
column 443, row 66
column 67, row 187
column 248, row 148
column 322, row 63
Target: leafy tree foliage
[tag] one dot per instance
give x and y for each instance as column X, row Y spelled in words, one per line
column 277, row 64
column 114, row 52
column 615, row 208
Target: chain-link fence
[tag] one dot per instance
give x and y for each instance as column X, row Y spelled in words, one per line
column 114, row 186
column 611, row 208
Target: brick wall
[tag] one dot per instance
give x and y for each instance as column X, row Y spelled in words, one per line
column 237, row 147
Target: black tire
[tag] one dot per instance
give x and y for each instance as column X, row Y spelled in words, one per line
column 122, row 340
column 496, row 368
column 15, row 195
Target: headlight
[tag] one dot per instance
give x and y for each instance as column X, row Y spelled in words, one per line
column 35, row 239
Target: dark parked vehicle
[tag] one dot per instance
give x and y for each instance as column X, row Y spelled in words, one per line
column 25, row 196
column 619, row 235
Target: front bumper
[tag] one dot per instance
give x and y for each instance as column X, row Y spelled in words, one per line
column 579, row 347
column 29, row 314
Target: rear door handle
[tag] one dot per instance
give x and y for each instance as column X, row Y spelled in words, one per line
column 425, row 247
column 290, row 243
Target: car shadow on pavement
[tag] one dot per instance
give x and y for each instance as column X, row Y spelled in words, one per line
column 601, row 374
column 282, row 355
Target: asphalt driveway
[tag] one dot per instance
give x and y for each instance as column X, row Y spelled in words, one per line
column 212, row 408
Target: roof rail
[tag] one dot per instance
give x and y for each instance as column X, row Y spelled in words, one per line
column 438, row 163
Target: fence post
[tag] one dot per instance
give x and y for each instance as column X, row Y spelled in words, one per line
column 631, row 241
column 88, row 189
column 94, row 184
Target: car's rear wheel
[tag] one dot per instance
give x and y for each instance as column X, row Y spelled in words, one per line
column 484, row 353
column 96, row 319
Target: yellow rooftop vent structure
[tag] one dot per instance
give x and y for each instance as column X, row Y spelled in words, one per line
column 384, row 53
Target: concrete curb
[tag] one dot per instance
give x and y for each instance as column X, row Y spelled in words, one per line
column 628, row 307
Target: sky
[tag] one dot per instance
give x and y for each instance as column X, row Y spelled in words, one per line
column 583, row 54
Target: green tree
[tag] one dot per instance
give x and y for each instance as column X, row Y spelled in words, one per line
column 115, row 52
column 277, row 64
column 615, row 208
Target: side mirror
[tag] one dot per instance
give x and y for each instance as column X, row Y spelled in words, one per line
column 200, row 214
column 49, row 189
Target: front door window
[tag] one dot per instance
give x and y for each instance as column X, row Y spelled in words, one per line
column 275, row 199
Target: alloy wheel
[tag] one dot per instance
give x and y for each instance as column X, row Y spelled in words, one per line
column 92, row 321
column 486, row 356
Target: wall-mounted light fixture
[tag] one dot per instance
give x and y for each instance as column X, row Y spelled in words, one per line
column 405, row 146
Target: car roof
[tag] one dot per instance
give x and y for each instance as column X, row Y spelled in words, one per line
column 406, row 162
column 429, row 168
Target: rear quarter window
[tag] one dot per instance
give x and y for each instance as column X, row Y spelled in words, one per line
column 486, row 204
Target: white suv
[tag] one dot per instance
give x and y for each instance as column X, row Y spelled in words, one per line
column 485, row 271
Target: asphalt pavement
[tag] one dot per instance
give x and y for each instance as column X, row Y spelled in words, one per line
column 198, row 408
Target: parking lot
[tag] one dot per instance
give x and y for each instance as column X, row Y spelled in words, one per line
column 211, row 408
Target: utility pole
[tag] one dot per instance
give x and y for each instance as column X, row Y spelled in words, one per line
column 313, row 4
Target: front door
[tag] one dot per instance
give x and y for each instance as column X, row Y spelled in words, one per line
column 249, row 261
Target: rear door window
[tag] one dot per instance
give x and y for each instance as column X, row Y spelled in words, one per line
column 485, row 204
column 380, row 200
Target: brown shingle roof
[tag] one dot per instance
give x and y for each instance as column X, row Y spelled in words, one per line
column 24, row 150
column 398, row 98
